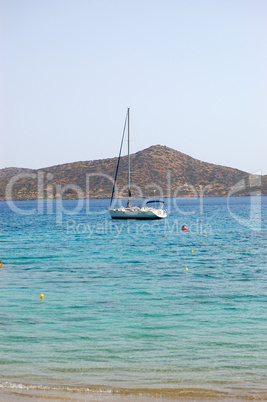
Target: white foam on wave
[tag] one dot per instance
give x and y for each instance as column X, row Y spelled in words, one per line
column 32, row 387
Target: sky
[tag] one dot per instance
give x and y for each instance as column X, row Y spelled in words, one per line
column 194, row 74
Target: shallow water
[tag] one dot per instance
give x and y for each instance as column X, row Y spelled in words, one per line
column 121, row 310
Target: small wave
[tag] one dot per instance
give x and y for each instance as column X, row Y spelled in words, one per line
column 61, row 388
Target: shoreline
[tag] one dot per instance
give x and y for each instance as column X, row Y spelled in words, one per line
column 15, row 391
column 123, row 198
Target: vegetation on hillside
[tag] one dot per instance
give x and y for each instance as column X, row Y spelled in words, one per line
column 156, row 171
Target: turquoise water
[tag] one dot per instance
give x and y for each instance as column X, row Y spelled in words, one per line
column 121, row 310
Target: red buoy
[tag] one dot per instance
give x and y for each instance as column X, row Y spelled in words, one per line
column 184, row 228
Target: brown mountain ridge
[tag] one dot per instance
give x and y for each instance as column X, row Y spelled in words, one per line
column 155, row 171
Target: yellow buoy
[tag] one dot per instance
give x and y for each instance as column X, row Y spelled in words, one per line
column 192, row 251
column 203, row 241
column 186, row 269
column 205, row 235
column 41, row 296
column 1, row 264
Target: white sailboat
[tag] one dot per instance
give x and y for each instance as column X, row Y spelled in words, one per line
column 153, row 209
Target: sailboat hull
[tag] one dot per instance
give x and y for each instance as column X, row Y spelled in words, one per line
column 137, row 213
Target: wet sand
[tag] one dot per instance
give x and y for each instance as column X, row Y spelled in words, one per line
column 102, row 394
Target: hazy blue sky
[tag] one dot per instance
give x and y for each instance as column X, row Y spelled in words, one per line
column 194, row 73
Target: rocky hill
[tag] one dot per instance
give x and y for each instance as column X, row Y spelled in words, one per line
column 155, row 171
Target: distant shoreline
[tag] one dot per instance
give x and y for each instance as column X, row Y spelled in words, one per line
column 105, row 198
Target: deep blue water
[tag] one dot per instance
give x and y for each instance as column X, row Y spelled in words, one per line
column 120, row 308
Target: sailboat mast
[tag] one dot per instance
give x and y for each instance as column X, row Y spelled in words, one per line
column 129, row 182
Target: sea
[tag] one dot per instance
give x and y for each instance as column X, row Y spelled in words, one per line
column 139, row 308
